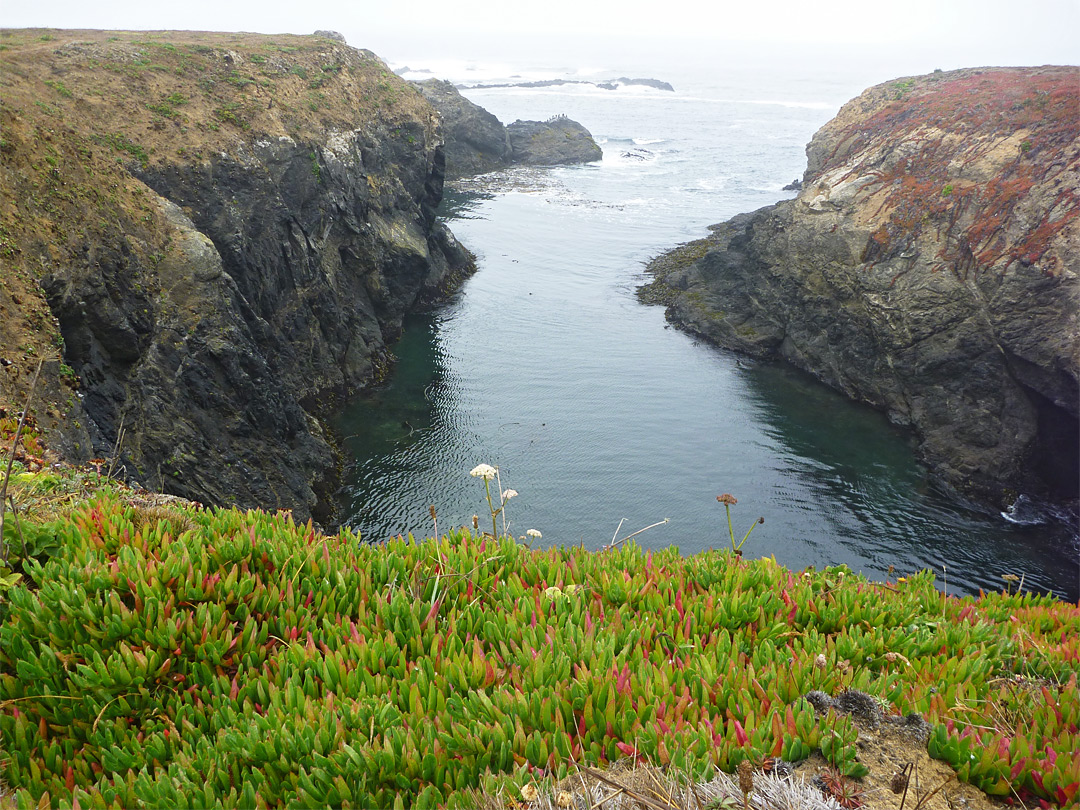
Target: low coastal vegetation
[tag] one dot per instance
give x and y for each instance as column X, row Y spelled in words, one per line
column 157, row 653
column 928, row 183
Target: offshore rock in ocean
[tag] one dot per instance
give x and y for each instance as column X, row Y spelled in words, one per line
column 477, row 142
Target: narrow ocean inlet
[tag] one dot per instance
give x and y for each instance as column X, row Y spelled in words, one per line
column 599, row 414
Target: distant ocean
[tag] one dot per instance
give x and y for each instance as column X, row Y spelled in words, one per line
column 599, row 414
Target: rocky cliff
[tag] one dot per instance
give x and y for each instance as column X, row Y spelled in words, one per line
column 477, row 142
column 208, row 239
column 929, row 266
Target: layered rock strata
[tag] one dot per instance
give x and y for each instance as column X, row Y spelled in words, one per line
column 929, row 266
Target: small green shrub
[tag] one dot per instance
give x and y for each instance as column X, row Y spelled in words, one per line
column 232, row 113
column 60, row 88
column 123, row 144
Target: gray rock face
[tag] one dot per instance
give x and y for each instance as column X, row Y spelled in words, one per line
column 552, row 142
column 291, row 267
column 930, row 273
column 476, row 142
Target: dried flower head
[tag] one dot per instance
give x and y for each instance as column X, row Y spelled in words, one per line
column 564, row 799
column 746, row 777
column 729, row 500
column 476, row 522
column 898, row 782
column 821, row 661
column 529, row 793
column 485, row 471
column 507, row 494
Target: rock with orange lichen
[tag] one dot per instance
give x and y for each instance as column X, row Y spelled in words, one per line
column 929, row 266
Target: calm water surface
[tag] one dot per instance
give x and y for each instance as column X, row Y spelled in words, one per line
column 597, row 412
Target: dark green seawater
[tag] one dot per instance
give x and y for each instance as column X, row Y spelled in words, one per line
column 600, row 414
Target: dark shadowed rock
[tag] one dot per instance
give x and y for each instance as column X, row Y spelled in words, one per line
column 929, row 267
column 656, row 84
column 476, row 141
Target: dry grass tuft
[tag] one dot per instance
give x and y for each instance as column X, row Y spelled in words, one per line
column 633, row 786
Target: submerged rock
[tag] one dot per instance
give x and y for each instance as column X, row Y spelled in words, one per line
column 929, row 266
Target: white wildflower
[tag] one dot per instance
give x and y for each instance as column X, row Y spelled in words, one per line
column 534, row 533
column 509, row 493
column 485, row 471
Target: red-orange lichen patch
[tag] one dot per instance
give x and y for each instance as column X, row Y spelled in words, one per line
column 977, row 223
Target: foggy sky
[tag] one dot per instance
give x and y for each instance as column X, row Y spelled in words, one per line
column 971, row 32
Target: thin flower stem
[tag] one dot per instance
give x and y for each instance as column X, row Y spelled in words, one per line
column 502, row 499
column 621, row 522
column 491, row 508
column 11, row 458
column 745, row 536
column 614, row 543
column 731, row 531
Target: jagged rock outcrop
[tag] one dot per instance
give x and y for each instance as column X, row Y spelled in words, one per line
column 477, row 142
column 228, row 245
column 929, row 266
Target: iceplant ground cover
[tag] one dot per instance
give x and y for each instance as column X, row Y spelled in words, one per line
column 169, row 655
